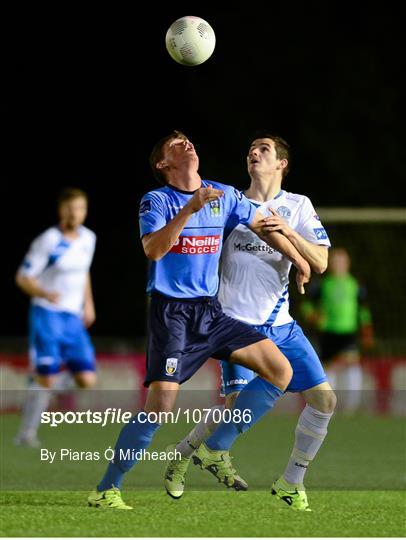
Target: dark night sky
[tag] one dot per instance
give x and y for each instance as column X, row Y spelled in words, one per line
column 88, row 94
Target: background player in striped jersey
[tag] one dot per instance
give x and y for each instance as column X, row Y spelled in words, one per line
column 182, row 227
column 254, row 289
column 55, row 274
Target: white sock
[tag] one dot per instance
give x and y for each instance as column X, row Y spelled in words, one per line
column 310, row 433
column 352, row 385
column 202, row 431
column 37, row 402
column 65, row 381
column 38, row 399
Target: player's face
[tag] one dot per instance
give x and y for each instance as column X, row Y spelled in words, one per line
column 262, row 157
column 177, row 151
column 73, row 213
column 339, row 262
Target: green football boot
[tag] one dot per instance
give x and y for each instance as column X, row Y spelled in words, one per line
column 218, row 463
column 111, row 498
column 175, row 472
column 293, row 494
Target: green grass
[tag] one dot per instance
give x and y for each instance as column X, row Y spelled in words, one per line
column 196, row 514
column 354, row 487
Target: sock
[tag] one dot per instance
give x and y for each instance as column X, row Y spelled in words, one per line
column 135, row 436
column 37, row 402
column 310, row 432
column 256, row 399
column 352, row 384
column 64, row 382
column 201, row 431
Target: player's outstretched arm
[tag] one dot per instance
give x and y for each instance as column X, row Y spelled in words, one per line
column 315, row 255
column 278, row 241
column 158, row 243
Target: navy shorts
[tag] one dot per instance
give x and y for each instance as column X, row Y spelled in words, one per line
column 184, row 333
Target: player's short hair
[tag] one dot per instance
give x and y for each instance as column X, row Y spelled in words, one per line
column 70, row 193
column 282, row 148
column 157, row 153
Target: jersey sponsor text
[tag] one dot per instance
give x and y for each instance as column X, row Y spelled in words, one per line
column 197, row 245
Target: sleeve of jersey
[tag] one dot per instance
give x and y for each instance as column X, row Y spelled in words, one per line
column 151, row 214
column 310, row 226
column 36, row 259
column 242, row 210
column 94, row 240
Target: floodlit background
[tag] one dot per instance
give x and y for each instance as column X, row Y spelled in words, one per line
column 87, row 94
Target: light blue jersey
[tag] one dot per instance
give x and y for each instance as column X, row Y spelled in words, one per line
column 190, row 268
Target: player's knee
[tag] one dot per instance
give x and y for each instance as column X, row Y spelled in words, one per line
column 285, row 375
column 86, row 380
column 331, row 402
column 327, row 402
column 279, row 374
column 230, row 399
column 46, row 381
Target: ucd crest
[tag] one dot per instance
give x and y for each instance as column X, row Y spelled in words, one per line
column 171, row 365
column 284, row 212
column 215, row 208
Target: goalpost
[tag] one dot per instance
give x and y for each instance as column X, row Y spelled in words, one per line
column 376, row 241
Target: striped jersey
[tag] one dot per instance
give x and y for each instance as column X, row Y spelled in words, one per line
column 254, row 277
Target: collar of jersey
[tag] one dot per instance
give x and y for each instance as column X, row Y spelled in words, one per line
column 276, row 197
column 183, row 190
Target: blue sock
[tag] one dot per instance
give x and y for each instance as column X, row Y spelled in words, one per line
column 133, row 437
column 257, row 398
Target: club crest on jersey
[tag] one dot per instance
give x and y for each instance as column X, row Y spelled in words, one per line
column 215, row 208
column 171, row 365
column 284, row 212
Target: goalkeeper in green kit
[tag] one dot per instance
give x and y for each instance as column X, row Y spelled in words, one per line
column 339, row 312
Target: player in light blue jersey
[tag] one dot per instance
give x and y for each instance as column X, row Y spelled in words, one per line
column 254, row 289
column 182, row 226
column 55, row 274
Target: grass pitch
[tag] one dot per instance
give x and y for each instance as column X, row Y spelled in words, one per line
column 355, row 487
column 219, row 514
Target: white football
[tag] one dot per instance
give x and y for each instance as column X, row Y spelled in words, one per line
column 190, row 40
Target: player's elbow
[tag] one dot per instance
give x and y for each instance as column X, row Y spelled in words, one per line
column 151, row 250
column 19, row 280
column 152, row 254
column 319, row 267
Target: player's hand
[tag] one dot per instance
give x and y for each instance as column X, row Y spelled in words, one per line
column 276, row 223
column 202, row 196
column 367, row 337
column 302, row 275
column 52, row 297
column 89, row 315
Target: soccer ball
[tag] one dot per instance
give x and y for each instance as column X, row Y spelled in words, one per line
column 190, row 40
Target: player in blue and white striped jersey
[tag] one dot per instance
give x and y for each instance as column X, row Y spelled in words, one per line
column 254, row 289
column 55, row 274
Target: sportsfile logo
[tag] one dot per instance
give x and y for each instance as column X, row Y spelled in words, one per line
column 197, row 245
